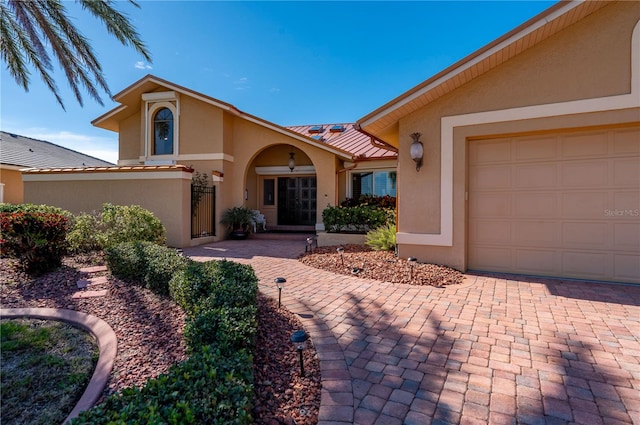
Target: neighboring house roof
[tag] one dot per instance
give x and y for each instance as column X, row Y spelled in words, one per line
column 21, row 151
column 346, row 137
column 129, row 98
column 527, row 35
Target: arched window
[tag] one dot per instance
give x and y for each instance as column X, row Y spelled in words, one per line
column 163, row 132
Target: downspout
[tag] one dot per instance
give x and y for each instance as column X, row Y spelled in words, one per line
column 375, row 141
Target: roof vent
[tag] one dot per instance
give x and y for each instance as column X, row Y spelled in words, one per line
column 338, row 128
column 316, row 129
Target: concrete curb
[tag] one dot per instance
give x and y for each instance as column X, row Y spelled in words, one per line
column 105, row 336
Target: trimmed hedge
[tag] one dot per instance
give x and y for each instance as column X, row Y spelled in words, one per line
column 145, row 263
column 213, row 386
column 36, row 239
column 360, row 219
column 227, row 283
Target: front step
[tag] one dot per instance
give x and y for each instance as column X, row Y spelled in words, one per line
column 282, row 236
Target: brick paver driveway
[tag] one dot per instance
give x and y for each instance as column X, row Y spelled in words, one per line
column 492, row 350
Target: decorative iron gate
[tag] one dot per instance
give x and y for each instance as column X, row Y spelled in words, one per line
column 203, row 211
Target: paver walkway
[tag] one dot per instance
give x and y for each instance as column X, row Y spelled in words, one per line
column 492, row 350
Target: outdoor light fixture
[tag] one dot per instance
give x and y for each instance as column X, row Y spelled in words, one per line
column 309, row 246
column 341, row 252
column 292, row 161
column 417, row 150
column 299, row 340
column 279, row 281
column 412, row 261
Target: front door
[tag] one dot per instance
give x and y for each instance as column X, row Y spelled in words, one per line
column 297, row 201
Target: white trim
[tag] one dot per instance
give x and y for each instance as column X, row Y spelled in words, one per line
column 462, row 68
column 206, row 157
column 162, row 95
column 284, row 170
column 14, row 167
column 160, row 161
column 448, row 124
column 98, row 176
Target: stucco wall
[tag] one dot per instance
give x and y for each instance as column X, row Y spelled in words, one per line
column 13, row 188
column 589, row 59
column 167, row 197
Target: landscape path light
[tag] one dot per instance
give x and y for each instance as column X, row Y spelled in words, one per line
column 309, row 246
column 279, row 281
column 299, row 340
column 412, row 261
column 341, row 252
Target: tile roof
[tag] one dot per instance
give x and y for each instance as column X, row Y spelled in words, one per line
column 26, row 152
column 345, row 136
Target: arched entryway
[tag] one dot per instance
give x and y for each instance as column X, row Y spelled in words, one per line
column 285, row 191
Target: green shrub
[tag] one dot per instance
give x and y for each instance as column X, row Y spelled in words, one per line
column 33, row 208
column 231, row 284
column 37, row 240
column 234, row 327
column 145, row 263
column 128, row 224
column 358, row 219
column 211, row 387
column 382, row 238
column 84, row 235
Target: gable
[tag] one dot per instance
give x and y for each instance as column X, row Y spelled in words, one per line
column 567, row 39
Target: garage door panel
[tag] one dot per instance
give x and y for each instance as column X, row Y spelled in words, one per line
column 493, row 205
column 587, row 174
column 626, row 236
column 535, row 148
column 541, row 262
column 490, row 151
column 492, row 232
column 491, row 178
column 581, row 145
column 589, row 265
column 535, row 204
column 492, row 258
column 538, row 176
column 586, row 205
column 626, row 267
column 565, row 204
column 625, row 141
column 626, row 172
column 586, row 235
column 626, row 204
column 536, row 233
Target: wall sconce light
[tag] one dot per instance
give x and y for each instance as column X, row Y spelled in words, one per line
column 417, row 150
column 299, row 340
column 279, row 281
column 292, row 161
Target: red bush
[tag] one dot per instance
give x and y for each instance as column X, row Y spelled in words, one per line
column 37, row 240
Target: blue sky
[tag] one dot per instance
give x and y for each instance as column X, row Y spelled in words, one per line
column 291, row 63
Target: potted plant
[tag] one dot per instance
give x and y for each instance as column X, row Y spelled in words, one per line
column 238, row 220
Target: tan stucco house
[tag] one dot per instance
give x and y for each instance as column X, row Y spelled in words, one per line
column 531, row 155
column 167, row 132
column 531, row 150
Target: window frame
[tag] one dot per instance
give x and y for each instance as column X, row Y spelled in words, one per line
column 153, row 103
column 373, row 171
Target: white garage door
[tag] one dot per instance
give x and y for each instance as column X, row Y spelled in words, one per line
column 557, row 205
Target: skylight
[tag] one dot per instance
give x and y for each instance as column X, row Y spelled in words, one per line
column 318, row 137
column 338, row 128
column 316, row 129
